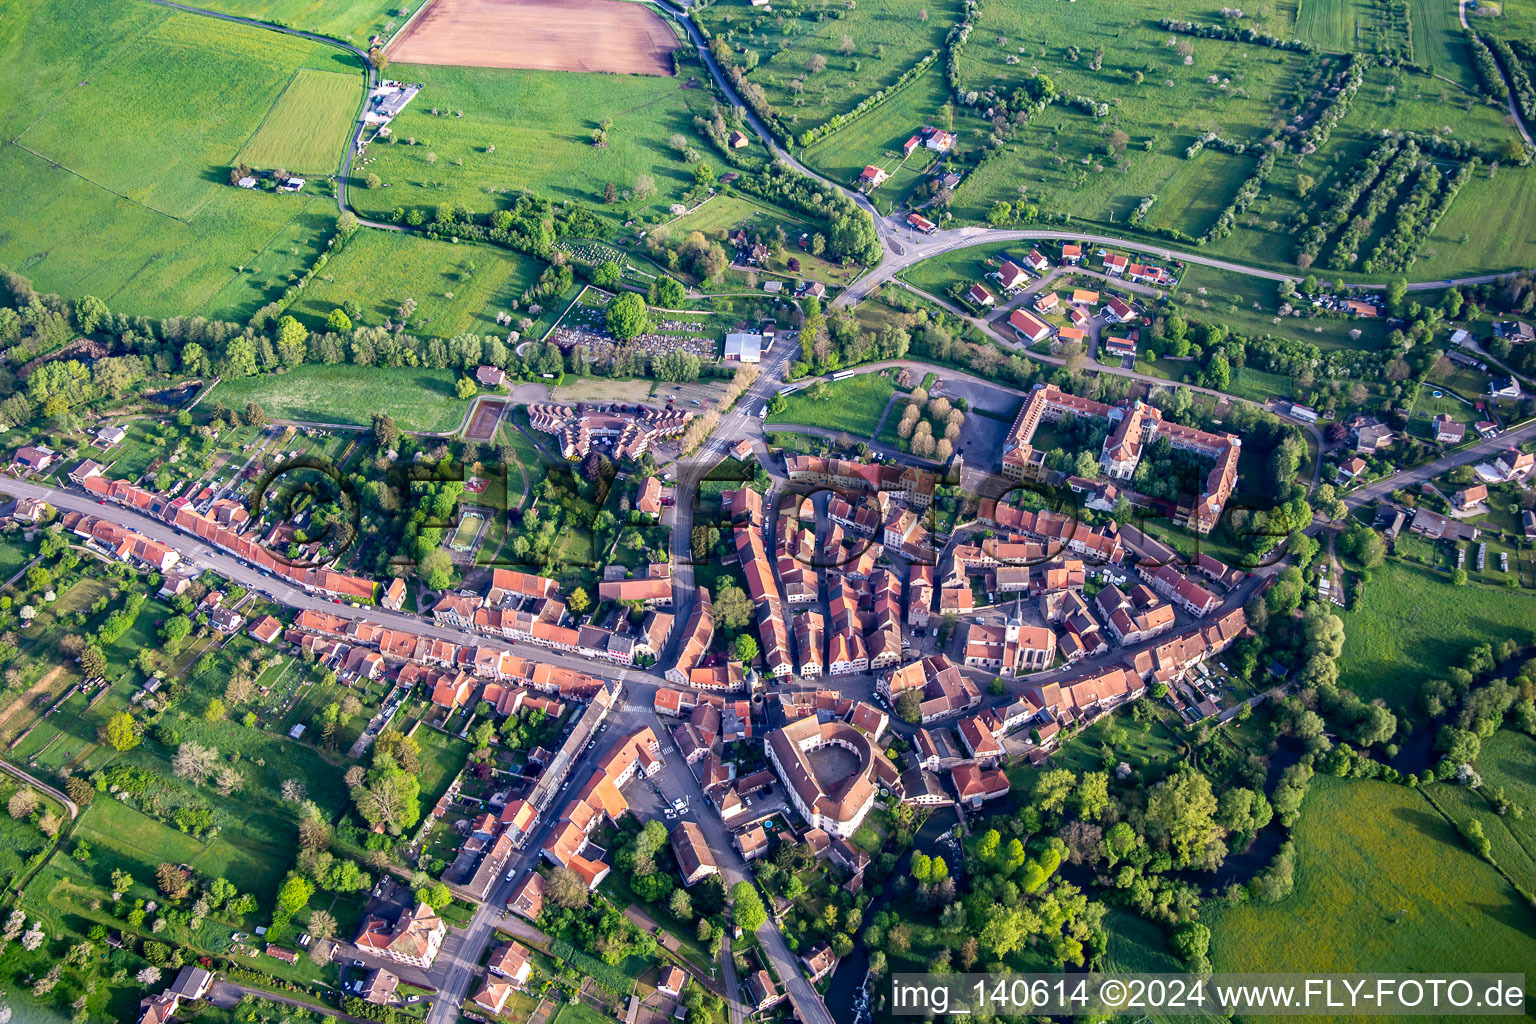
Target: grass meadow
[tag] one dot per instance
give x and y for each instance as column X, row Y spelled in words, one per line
column 128, row 117
column 356, row 21
column 1383, row 883
column 876, row 138
column 533, row 130
column 1438, row 41
column 309, row 126
column 1411, row 623
column 852, row 405
column 457, row 288
column 419, row 399
column 787, row 37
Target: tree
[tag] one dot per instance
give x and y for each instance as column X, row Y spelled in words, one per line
column 23, row 803
column 681, row 905
column 122, row 731
column 578, row 601
column 566, row 889
column 338, row 321
column 732, row 607
column 122, row 881
column 1052, row 790
column 195, row 762
column 1092, row 795
column 437, row 895
column 1181, row 811
column 1192, row 942
column 644, row 188
column 389, row 798
column 627, row 318
column 436, row 569
column 173, row 882
column 747, row 911
column 910, row 706
column 744, row 648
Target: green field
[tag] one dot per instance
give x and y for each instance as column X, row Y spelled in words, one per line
column 308, row 127
column 877, row 137
column 1508, row 760
column 533, row 130
column 419, row 399
column 852, row 405
column 1199, row 190
column 356, row 21
column 1438, row 41
column 1383, row 883
column 126, row 118
column 457, row 288
column 1330, row 24
column 786, row 42
column 1412, row 623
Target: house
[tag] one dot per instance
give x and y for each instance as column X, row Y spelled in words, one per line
column 1117, row 310
column 1120, row 346
column 29, row 510
column 974, row 785
column 1036, row 262
column 761, row 992
column 1447, row 430
column 938, row 141
column 1301, row 412
column 672, row 981
column 1115, row 264
column 191, row 984
column 394, row 594
column 1528, row 524
column 106, row 437
column 737, row 140
column 247, row 182
column 490, row 376
column 1514, row 464
column 414, row 938
column 1351, row 468
column 1072, row 253
column 921, row 223
column 819, row 962
column 872, row 177
column 287, row 956
column 511, row 960
column 292, row 185
column 910, row 146
column 1469, row 498
column 691, row 849
column 1084, row 297
column 527, row 899
column 1028, row 327
column 978, row 295
column 1504, row 387
column 1071, row 335
column 1010, row 275
column 1372, row 436
column 1047, row 302
column 378, row 987
column 493, row 995
column 34, row 458
column 649, row 500
column 1358, row 308
column 87, row 469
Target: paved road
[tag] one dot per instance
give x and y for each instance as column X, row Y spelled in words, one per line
column 1460, row 457
column 1514, row 111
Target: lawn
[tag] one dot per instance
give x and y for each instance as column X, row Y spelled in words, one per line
column 308, row 127
column 134, row 206
column 442, row 757
column 1411, row 623
column 888, row 38
column 457, row 288
column 1383, row 883
column 851, row 406
column 418, row 398
column 533, row 130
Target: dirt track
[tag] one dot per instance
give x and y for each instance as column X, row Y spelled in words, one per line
column 542, row 35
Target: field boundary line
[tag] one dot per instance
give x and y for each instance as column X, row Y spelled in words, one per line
column 91, row 181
